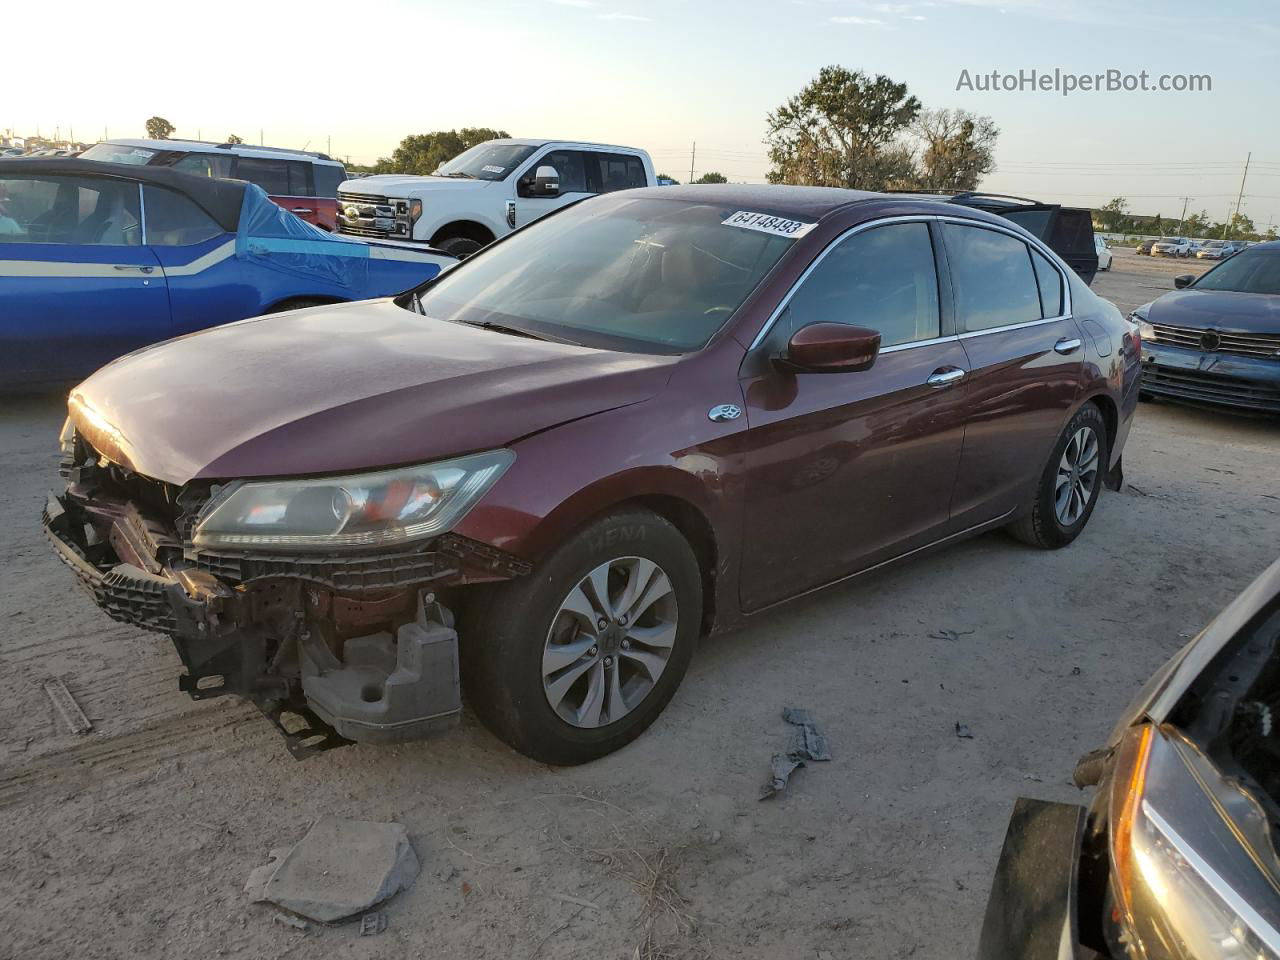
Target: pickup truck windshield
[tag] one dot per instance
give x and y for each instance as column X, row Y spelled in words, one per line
column 1253, row 271
column 487, row 161
column 641, row 275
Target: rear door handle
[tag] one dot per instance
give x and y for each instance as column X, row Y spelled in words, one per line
column 1067, row 345
column 945, row 377
column 134, row 266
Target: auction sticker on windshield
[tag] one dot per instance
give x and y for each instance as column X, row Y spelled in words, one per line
column 778, row 226
column 491, row 168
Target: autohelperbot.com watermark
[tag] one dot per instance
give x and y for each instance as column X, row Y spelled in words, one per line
column 1065, row 82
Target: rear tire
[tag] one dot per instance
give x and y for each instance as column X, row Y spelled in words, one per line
column 1070, row 484
column 543, row 675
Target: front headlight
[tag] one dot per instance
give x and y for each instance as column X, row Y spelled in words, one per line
column 389, row 507
column 1184, row 884
column 1139, row 316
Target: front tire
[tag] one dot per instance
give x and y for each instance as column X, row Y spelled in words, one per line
column 1070, row 484
column 578, row 658
column 460, row 247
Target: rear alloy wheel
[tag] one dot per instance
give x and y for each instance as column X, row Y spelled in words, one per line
column 1070, row 484
column 576, row 659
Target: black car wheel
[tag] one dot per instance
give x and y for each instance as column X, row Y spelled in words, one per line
column 1070, row 484
column 576, row 659
column 460, row 247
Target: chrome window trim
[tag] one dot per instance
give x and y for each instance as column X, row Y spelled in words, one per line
column 142, row 212
column 1035, row 244
column 970, row 334
column 895, row 347
column 858, row 228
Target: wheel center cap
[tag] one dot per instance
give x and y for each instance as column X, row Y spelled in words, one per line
column 611, row 637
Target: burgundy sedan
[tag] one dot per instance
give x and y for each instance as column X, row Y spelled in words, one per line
column 541, row 476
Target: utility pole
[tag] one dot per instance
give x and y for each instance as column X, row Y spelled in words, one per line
column 328, row 144
column 262, row 141
column 1185, row 201
column 1240, row 196
column 692, row 156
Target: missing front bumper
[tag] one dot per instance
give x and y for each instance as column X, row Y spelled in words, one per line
column 332, row 652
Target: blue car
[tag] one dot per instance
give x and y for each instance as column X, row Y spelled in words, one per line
column 99, row 259
column 1216, row 340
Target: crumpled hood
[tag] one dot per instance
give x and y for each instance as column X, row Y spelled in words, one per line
column 407, row 185
column 343, row 388
column 1218, row 310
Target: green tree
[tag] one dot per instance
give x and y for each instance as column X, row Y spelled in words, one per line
column 666, row 176
column 712, row 177
column 1157, row 225
column 1113, row 215
column 422, row 153
column 232, row 138
column 841, row 131
column 957, row 149
column 158, row 128
column 1196, row 225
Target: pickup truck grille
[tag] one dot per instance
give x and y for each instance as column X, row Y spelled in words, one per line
column 1246, row 344
column 368, row 215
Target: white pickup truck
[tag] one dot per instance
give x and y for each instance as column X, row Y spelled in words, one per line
column 487, row 192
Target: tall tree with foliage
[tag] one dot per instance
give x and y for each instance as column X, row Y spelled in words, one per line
column 233, row 138
column 422, row 153
column 1113, row 215
column 841, row 131
column 158, row 128
column 1196, row 225
column 957, row 149
column 712, row 177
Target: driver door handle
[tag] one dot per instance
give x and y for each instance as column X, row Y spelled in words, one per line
column 1067, row 345
column 302, row 210
column 133, row 266
column 945, row 377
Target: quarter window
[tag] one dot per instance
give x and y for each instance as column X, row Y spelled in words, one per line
column 71, row 210
column 1050, row 281
column 883, row 279
column 175, row 221
column 993, row 279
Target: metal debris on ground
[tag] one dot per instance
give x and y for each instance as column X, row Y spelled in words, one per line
column 340, row 869
column 807, row 743
column 373, row 923
column 962, row 731
column 949, row 634
column 289, row 920
column 66, row 705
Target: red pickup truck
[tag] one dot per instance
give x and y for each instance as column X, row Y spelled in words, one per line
column 303, row 182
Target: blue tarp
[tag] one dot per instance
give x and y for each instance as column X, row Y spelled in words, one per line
column 272, row 237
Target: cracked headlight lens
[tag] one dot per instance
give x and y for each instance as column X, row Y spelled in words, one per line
column 385, row 508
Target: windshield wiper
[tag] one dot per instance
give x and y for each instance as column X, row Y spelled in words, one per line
column 456, row 173
column 517, row 331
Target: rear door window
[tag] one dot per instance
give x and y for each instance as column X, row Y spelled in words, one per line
column 607, row 172
column 300, row 178
column 174, row 220
column 991, row 273
column 205, row 164
column 883, row 279
column 270, row 174
column 70, row 210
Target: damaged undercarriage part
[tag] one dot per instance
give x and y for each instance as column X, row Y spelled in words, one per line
column 332, row 649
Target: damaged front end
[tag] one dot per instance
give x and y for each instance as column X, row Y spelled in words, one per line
column 332, row 646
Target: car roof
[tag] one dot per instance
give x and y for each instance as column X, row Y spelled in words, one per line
column 239, row 149
column 221, row 199
column 528, row 142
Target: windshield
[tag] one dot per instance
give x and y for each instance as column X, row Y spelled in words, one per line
column 1215, row 243
column 487, row 161
column 1250, row 271
column 118, row 153
column 652, row 276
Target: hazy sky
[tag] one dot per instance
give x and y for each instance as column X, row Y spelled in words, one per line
column 659, row 75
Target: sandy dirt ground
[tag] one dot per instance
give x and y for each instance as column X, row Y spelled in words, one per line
column 135, row 840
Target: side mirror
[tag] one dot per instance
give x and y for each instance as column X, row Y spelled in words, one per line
column 546, row 182
column 831, row 348
column 1186, row 280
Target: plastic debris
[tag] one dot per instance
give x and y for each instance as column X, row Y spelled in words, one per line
column 807, row 743
column 340, row 869
column 373, row 923
column 962, row 731
column 949, row 634
column 67, row 707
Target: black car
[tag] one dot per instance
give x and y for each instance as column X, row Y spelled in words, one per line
column 1176, row 858
column 1216, row 339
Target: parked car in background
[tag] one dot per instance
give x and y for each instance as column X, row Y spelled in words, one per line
column 1194, row 246
column 1104, row 253
column 836, row 378
column 1068, row 231
column 12, row 152
column 1176, row 855
column 1143, row 249
column 1216, row 339
column 98, row 259
column 1220, row 249
column 487, row 192
column 304, row 183
column 1171, row 247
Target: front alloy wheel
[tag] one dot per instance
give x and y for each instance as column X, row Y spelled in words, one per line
column 609, row 642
